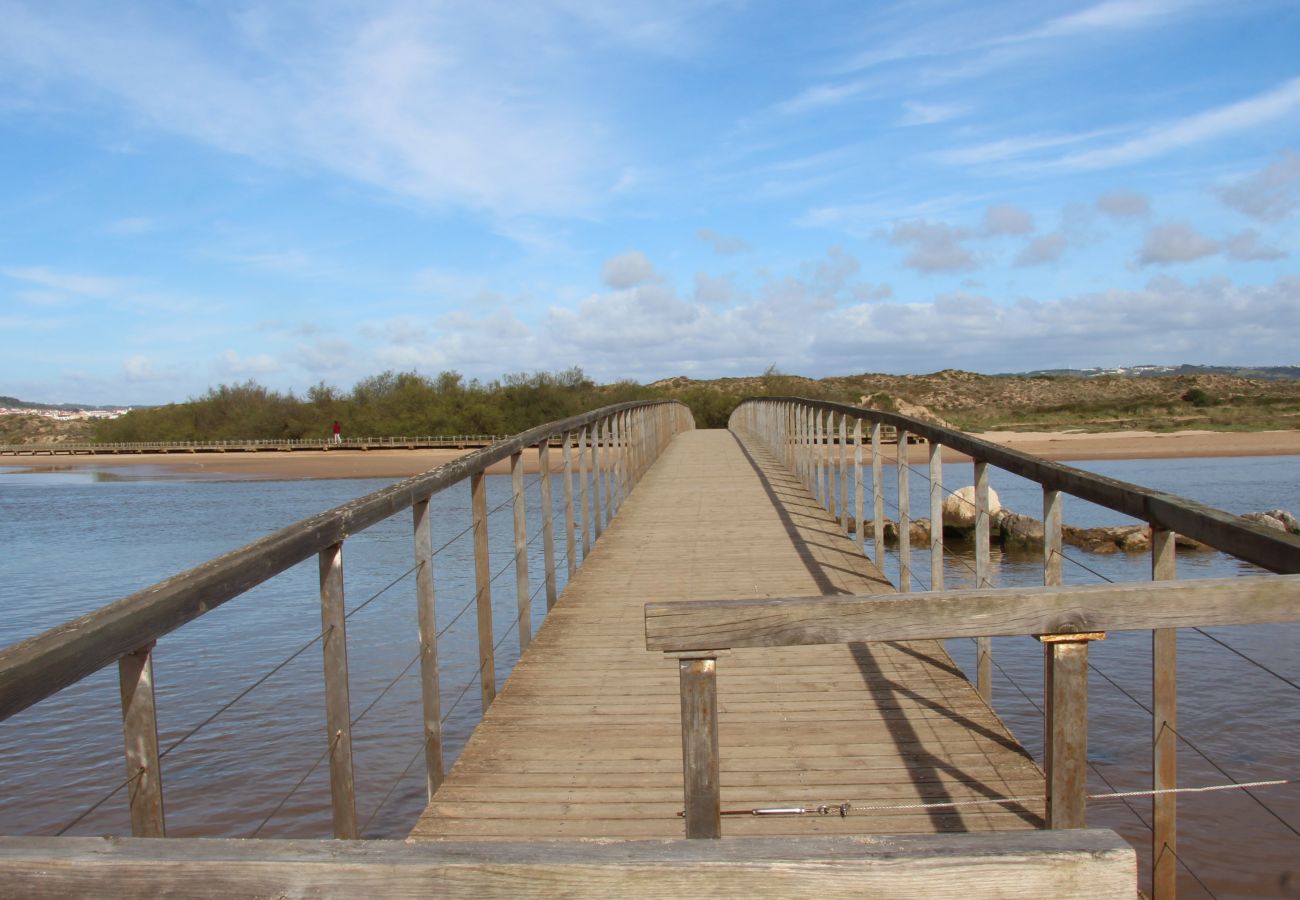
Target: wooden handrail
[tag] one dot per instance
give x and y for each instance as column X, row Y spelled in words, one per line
column 1095, row 863
column 696, row 625
column 1269, row 549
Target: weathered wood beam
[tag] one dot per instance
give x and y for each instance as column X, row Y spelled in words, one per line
column 1094, row 863
column 787, row 621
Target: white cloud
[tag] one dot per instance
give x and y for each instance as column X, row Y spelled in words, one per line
column 628, row 270
column 230, row 364
column 439, row 106
column 723, row 245
column 1213, row 124
column 821, row 96
column 1269, row 195
column 1044, row 249
column 132, row 225
column 713, row 291
column 1124, row 204
column 1112, row 15
column 1009, row 148
column 72, row 283
column 139, row 368
column 1246, row 247
column 1007, row 219
column 1175, row 243
column 931, row 113
column 934, row 246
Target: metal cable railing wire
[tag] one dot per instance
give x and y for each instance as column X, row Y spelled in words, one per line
column 302, row 649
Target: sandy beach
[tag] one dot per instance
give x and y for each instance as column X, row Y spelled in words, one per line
column 404, row 463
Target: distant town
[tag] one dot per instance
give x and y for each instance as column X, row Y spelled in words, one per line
column 63, row 414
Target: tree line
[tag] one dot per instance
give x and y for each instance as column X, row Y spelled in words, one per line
column 396, row 404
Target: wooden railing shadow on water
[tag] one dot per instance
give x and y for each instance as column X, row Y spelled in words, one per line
column 607, row 450
column 803, row 434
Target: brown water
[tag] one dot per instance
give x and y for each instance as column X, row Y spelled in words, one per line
column 73, row 543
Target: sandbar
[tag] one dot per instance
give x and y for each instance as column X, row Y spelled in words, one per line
column 394, row 464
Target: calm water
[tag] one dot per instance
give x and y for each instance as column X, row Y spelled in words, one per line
column 73, row 542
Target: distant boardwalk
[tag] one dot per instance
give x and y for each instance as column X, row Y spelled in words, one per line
column 585, row 738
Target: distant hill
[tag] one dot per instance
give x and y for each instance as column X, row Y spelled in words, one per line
column 1268, row 373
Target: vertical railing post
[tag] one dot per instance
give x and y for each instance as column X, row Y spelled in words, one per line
column 819, row 458
column 584, row 504
column 877, row 499
column 608, row 457
column 548, row 520
column 597, row 465
column 904, row 516
column 983, row 645
column 338, row 719
column 1164, row 743
column 430, row 692
column 1067, row 776
column 860, row 529
column 483, row 590
column 1052, row 519
column 616, row 465
column 936, row 516
column 570, row 537
column 140, row 741
column 522, row 600
column 697, row 676
column 844, row 474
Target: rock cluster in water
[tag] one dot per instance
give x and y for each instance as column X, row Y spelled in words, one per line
column 1014, row 531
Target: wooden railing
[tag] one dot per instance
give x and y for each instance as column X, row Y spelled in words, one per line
column 607, row 450
column 813, row 439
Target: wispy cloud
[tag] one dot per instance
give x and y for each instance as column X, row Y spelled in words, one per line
column 1224, row 121
column 821, row 96
column 432, row 107
column 931, row 113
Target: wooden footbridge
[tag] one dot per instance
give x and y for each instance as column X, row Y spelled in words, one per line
column 725, row 662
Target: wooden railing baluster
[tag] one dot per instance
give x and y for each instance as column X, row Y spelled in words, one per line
column 597, row 469
column 877, row 499
column 1164, row 738
column 338, row 719
column 904, row 517
column 427, row 617
column 858, row 508
column 483, row 590
column 701, row 761
column 936, row 516
column 844, row 474
column 570, row 535
column 548, row 521
column 522, row 599
column 140, row 739
column 983, row 645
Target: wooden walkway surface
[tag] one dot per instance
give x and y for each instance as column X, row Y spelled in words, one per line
column 584, row 740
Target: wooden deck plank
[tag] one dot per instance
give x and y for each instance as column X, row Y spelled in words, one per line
column 584, row 739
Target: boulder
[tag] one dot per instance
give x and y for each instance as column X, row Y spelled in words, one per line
column 959, row 507
column 1016, row 530
column 1268, row 520
column 1286, row 519
column 918, row 532
column 1134, row 539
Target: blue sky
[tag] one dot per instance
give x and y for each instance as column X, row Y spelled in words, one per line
column 200, row 193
